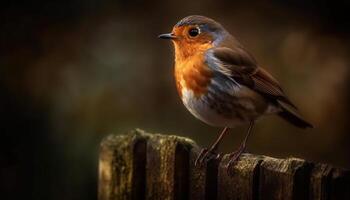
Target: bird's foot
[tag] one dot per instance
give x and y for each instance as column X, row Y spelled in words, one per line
column 206, row 155
column 233, row 158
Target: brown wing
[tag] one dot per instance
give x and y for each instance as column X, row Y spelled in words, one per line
column 237, row 60
column 265, row 83
column 243, row 68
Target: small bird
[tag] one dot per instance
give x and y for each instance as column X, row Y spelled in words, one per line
column 222, row 84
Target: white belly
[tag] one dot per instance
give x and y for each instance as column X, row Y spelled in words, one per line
column 201, row 110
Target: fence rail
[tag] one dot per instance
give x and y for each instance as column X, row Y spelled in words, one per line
column 139, row 165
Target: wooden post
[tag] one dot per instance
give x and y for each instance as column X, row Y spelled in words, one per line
column 242, row 183
column 139, row 165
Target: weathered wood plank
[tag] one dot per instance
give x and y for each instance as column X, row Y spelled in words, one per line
column 284, row 179
column 320, row 182
column 167, row 173
column 197, row 176
column 121, row 171
column 139, row 165
column 242, row 182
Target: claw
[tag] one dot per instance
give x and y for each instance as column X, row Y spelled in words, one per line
column 219, row 156
column 206, row 155
column 234, row 157
column 199, row 160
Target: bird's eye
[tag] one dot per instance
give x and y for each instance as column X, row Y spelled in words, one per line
column 193, row 32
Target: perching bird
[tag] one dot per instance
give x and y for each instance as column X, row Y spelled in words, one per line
column 221, row 83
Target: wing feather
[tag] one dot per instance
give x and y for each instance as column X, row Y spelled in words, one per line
column 239, row 65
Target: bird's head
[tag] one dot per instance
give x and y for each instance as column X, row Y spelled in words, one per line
column 195, row 34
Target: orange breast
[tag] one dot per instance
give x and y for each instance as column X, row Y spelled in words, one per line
column 192, row 74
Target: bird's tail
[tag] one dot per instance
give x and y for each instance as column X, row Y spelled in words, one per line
column 293, row 117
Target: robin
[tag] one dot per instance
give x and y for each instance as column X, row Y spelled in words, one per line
column 222, row 84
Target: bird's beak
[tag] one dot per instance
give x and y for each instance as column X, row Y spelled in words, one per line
column 168, row 36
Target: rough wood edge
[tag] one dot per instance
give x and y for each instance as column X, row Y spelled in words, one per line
column 116, row 180
column 254, row 177
column 242, row 181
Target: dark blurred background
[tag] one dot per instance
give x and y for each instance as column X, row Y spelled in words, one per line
column 72, row 72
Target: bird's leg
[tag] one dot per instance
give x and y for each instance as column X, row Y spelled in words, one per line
column 207, row 154
column 234, row 156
